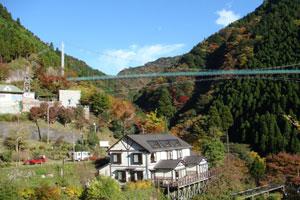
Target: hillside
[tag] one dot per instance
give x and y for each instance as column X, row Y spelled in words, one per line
column 128, row 88
column 253, row 111
column 16, row 42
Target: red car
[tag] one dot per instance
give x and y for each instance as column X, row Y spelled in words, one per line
column 39, row 160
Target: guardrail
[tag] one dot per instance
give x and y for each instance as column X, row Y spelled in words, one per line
column 181, row 182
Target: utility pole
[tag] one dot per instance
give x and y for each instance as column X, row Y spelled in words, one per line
column 62, row 59
column 48, row 121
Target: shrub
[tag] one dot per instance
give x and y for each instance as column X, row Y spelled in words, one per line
column 27, row 193
column 104, row 188
column 73, row 192
column 142, row 190
column 46, row 192
column 6, row 156
column 138, row 185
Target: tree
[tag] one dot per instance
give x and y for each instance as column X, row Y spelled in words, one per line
column 164, row 105
column 34, row 115
column 80, row 120
column 18, row 21
column 65, row 115
column 214, row 151
column 214, row 119
column 103, row 188
column 100, row 102
column 257, row 166
column 4, row 71
column 283, row 167
column 123, row 113
column 152, row 123
column 92, row 138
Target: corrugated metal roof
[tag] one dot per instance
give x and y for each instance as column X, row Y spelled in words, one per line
column 159, row 142
column 10, row 89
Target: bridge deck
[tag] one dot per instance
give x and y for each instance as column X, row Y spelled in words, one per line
column 208, row 73
column 258, row 191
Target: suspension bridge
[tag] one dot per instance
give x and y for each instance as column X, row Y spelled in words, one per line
column 206, row 73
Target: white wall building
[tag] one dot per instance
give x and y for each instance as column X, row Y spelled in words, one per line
column 69, row 98
column 10, row 99
column 159, row 157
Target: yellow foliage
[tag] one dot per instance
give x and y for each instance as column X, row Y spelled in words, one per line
column 73, row 192
column 27, row 193
column 139, row 185
column 153, row 123
column 254, row 155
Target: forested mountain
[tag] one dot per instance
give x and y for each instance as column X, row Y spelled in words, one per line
column 259, row 111
column 127, row 88
column 17, row 42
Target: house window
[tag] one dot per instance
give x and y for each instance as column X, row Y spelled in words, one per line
column 179, row 153
column 116, row 158
column 153, row 157
column 121, row 176
column 169, row 155
column 137, row 158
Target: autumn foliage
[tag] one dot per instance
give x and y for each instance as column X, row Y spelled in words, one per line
column 53, row 83
column 283, row 167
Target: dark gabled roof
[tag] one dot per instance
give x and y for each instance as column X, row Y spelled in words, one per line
column 193, row 160
column 172, row 164
column 167, row 164
column 159, row 142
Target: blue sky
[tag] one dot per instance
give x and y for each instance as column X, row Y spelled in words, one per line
column 114, row 34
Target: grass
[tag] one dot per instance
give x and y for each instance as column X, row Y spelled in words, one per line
column 74, row 174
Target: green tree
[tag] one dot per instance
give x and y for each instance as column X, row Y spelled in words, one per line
column 214, row 119
column 92, row 138
column 164, row 105
column 214, row 150
column 257, row 169
column 100, row 102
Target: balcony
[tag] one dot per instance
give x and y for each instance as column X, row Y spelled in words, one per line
column 181, row 182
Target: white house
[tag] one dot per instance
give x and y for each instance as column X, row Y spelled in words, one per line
column 163, row 158
column 10, row 99
column 69, row 98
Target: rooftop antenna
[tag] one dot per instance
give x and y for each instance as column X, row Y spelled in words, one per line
column 62, row 59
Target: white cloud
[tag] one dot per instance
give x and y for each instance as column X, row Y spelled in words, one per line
column 113, row 60
column 226, row 17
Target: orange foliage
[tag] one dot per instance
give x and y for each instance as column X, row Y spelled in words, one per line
column 283, row 167
column 151, row 124
column 122, row 109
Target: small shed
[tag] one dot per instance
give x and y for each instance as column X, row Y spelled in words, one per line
column 69, row 98
column 10, row 99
